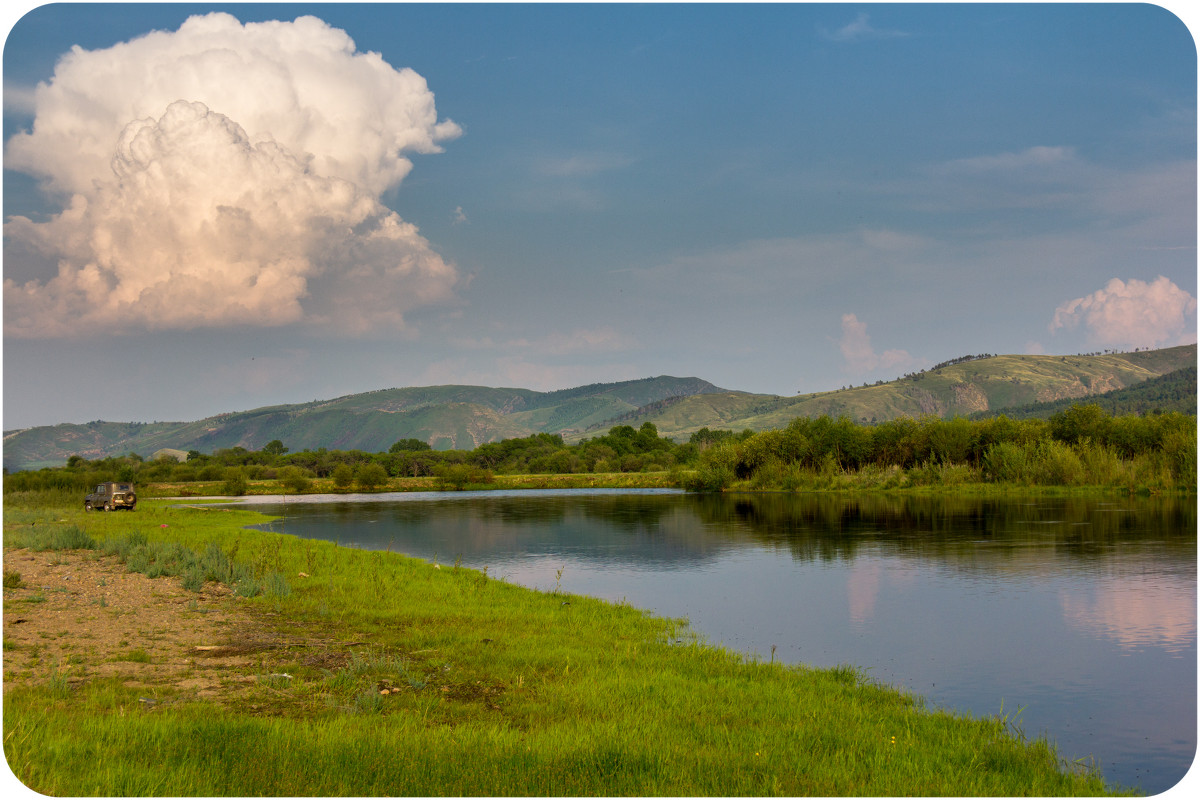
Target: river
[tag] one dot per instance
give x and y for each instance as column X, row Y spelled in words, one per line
column 1074, row 616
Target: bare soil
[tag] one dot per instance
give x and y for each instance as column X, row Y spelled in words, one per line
column 80, row 615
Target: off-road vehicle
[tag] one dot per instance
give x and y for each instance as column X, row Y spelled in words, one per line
column 111, row 496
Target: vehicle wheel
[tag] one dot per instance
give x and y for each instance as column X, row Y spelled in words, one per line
column 108, row 507
column 87, row 506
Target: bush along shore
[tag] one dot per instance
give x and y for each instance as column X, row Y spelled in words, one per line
column 1081, row 447
column 370, row 673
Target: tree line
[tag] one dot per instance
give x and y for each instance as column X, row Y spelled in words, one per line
column 623, row 449
column 1080, row 445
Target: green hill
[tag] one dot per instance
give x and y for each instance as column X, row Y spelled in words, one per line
column 460, row 417
column 1175, row 391
column 464, row 417
column 970, row 386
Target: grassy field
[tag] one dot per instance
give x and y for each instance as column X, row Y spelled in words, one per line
column 393, row 676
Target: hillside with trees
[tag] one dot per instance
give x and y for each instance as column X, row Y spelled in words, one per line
column 959, row 387
column 467, row 417
column 1079, row 446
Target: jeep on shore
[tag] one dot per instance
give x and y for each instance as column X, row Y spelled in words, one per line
column 110, row 497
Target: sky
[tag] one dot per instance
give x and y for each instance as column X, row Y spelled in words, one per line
column 214, row 208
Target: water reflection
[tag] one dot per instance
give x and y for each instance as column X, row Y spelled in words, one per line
column 1135, row 612
column 1081, row 611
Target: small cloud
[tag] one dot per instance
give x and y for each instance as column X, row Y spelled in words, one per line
column 1034, row 348
column 860, row 30
column 860, row 355
column 604, row 339
column 1132, row 313
column 460, row 216
column 1038, row 157
column 582, row 165
column 893, row 241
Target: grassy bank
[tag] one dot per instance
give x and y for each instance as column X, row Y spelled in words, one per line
column 602, row 480
column 440, row 680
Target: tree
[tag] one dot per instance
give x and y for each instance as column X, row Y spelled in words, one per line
column 370, row 476
column 295, row 479
column 343, row 476
column 274, row 448
column 409, row 445
column 235, row 482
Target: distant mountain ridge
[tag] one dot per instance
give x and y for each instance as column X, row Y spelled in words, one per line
column 464, row 417
column 461, row 417
column 958, row 388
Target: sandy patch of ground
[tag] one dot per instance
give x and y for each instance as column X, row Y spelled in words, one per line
column 80, row 615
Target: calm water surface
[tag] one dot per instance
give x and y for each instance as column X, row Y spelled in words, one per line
column 1079, row 613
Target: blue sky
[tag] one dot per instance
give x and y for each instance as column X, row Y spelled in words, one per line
column 776, row 198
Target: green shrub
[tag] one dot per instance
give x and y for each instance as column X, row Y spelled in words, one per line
column 1056, row 464
column 460, row 476
column 371, row 476
column 235, row 483
column 1005, row 462
column 295, row 479
column 1101, row 465
column 343, row 476
column 709, row 478
column 1179, row 454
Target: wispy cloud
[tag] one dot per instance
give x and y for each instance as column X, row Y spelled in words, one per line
column 1132, row 313
column 527, row 373
column 603, row 339
column 861, row 30
column 580, row 165
column 860, row 356
column 1037, row 157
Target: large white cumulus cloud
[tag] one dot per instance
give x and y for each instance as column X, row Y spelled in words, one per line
column 225, row 174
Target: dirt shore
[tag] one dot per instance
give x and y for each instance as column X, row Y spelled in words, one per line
column 80, row 616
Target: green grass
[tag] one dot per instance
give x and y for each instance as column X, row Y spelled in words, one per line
column 492, row 689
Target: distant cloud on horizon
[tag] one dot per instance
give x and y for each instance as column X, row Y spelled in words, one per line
column 860, row 356
column 1133, row 313
column 602, row 339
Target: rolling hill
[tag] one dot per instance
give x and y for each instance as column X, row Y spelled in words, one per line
column 979, row 384
column 446, row 417
column 464, row 417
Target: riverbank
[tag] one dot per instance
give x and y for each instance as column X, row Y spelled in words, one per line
column 429, row 483
column 369, row 673
column 931, row 480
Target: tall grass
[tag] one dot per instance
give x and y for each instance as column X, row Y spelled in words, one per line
column 492, row 689
column 35, row 529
